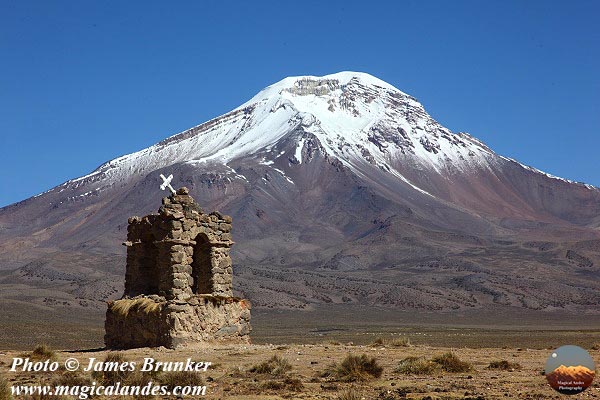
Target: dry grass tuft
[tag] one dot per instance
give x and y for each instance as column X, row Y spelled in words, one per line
column 143, row 304
column 416, row 366
column 273, row 385
column 449, row 362
column 355, row 368
column 140, row 379
column 112, row 377
column 293, row 384
column 289, row 384
column 181, row 378
column 43, row 352
column 275, row 366
column 399, row 342
column 596, row 346
column 68, row 378
column 504, row 365
column 350, row 394
column 4, row 389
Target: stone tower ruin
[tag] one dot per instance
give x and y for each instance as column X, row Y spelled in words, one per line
column 178, row 282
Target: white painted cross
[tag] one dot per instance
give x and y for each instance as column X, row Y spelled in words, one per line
column 167, row 183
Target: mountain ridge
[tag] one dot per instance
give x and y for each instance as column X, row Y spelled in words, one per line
column 272, row 94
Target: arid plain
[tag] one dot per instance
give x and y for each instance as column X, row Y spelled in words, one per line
column 233, row 373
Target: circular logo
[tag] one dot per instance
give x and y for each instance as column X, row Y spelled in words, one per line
column 570, row 369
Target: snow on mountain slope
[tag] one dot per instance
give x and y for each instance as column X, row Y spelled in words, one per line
column 357, row 118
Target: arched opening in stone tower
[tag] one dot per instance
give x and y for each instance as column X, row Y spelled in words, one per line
column 202, row 266
column 147, row 280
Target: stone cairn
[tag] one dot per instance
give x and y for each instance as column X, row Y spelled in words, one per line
column 178, row 282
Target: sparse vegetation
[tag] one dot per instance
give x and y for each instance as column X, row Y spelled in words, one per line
column 42, row 352
column 416, row 366
column 273, row 385
column 68, row 378
column 350, row 394
column 449, row 362
column 504, row 365
column 293, row 384
column 112, row 377
column 145, row 305
column 140, row 379
column 418, row 376
column 275, row 366
column 4, row 389
column 181, row 378
column 355, row 368
column 289, row 383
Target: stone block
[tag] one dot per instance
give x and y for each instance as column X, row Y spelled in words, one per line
column 175, row 224
column 224, row 227
column 182, row 268
column 178, row 257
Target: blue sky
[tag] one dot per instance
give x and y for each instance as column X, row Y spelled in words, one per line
column 83, row 82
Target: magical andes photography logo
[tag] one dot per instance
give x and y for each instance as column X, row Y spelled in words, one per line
column 570, row 369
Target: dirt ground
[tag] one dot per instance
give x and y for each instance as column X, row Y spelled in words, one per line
column 230, row 376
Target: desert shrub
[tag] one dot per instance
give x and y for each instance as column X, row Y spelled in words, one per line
column 400, row 342
column 275, row 365
column 350, row 394
column 289, row 384
column 181, row 378
column 4, row 389
column 356, row 368
column 416, row 366
column 140, row 379
column 449, row 362
column 273, row 385
column 504, row 365
column 112, row 377
column 596, row 346
column 293, row 384
column 42, row 352
column 379, row 341
column 69, row 378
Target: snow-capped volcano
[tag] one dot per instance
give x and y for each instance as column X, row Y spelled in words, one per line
column 355, row 116
column 342, row 190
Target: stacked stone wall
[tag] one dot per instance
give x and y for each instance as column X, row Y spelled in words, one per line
column 179, row 259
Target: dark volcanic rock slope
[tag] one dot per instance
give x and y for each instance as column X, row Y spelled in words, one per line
column 343, row 190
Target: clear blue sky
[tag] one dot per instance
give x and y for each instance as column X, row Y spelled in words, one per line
column 82, row 82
